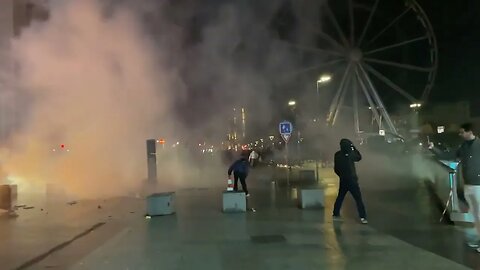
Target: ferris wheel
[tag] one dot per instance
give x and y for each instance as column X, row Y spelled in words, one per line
column 375, row 50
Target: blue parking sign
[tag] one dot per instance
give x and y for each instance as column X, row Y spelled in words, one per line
column 285, row 129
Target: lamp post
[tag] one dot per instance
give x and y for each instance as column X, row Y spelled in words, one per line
column 414, row 119
column 292, row 104
column 324, row 79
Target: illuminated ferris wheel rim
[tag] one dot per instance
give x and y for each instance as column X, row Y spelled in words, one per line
column 359, row 62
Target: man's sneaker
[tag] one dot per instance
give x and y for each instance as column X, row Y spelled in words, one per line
column 364, row 221
column 337, row 218
column 473, row 244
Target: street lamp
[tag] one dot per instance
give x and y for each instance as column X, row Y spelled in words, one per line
column 325, row 78
column 414, row 118
column 415, row 105
column 292, row 103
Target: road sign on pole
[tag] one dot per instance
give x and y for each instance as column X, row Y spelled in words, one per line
column 285, row 128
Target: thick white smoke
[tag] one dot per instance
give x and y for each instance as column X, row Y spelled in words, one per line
column 97, row 82
column 98, row 89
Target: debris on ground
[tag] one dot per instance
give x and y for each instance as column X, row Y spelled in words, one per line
column 72, row 202
column 28, row 208
column 99, row 207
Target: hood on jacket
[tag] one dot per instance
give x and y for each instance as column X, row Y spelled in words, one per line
column 345, row 145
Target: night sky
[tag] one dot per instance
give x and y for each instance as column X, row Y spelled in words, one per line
column 457, row 25
column 210, row 47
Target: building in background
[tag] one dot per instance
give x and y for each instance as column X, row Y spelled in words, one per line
column 237, row 130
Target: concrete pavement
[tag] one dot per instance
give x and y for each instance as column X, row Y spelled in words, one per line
column 199, row 236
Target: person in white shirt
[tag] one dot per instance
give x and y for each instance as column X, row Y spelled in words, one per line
column 253, row 158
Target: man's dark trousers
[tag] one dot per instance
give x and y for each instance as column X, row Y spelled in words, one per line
column 349, row 185
column 242, row 177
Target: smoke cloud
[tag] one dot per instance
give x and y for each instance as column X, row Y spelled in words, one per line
column 101, row 77
column 98, row 89
column 97, row 79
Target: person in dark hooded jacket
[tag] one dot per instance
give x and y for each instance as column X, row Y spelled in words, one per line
column 240, row 172
column 344, row 166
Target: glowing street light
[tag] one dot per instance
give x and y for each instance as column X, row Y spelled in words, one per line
column 324, row 78
column 415, row 105
column 292, row 103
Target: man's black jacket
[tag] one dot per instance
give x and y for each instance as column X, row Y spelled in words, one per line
column 345, row 159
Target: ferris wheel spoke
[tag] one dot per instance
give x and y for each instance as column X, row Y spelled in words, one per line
column 356, row 117
column 390, row 83
column 372, row 105
column 323, row 35
column 352, row 22
column 342, row 98
column 378, row 100
column 399, row 65
column 365, row 29
column 341, row 88
column 390, row 25
column 312, row 49
column 330, row 39
column 308, row 69
column 397, row 44
column 334, row 20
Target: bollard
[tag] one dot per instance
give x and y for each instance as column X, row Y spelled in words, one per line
column 234, row 202
column 311, row 198
column 161, row 204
